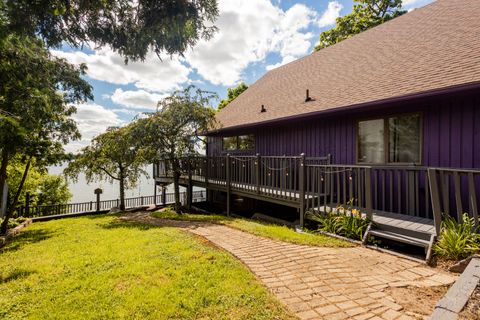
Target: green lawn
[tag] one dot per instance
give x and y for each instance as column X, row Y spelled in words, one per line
column 267, row 230
column 97, row 267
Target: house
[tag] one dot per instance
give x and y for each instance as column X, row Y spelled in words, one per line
column 381, row 117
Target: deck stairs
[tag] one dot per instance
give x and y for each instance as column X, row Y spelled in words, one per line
column 411, row 230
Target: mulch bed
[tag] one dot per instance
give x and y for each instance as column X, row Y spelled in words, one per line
column 472, row 309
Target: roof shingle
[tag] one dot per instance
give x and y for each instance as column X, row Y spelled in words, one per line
column 431, row 48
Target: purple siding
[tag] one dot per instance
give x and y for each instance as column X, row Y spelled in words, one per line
column 451, row 133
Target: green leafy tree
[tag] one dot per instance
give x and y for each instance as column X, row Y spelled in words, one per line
column 44, row 188
column 131, row 28
column 52, row 189
column 174, row 131
column 113, row 155
column 38, row 92
column 232, row 94
column 365, row 15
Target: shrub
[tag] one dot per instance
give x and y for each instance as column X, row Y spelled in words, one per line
column 457, row 240
column 347, row 222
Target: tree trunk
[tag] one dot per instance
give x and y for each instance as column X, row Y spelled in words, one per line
column 20, row 187
column 11, row 209
column 3, row 175
column 122, row 191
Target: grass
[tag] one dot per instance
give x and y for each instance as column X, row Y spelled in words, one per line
column 97, row 267
column 258, row 228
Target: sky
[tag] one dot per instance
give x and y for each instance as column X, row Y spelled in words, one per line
column 254, row 37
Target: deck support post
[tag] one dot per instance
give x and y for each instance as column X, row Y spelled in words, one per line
column 164, row 196
column 435, row 196
column 257, row 173
column 189, row 186
column 301, row 185
column 155, row 193
column 227, row 173
column 368, row 193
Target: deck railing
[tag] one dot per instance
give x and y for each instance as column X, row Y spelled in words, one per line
column 314, row 182
column 104, row 205
column 454, row 192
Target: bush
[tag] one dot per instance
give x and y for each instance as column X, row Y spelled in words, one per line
column 344, row 222
column 457, row 240
column 12, row 223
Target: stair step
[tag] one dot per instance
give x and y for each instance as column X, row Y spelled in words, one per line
column 400, row 238
column 421, row 235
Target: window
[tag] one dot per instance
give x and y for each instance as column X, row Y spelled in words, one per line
column 404, row 139
column 244, row 142
column 229, row 143
column 371, row 147
column 392, row 140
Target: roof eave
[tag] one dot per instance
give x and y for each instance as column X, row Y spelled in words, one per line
column 356, row 107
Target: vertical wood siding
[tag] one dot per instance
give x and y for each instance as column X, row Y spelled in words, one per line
column 451, row 134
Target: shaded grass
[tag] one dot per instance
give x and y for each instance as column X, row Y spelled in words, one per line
column 82, row 268
column 268, row 230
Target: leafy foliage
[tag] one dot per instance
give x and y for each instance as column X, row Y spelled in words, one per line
column 347, row 222
column 174, row 131
column 37, row 91
column 457, row 240
column 232, row 94
column 129, row 27
column 365, row 15
column 112, row 155
column 44, row 188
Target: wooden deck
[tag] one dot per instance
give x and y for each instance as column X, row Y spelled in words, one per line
column 405, row 203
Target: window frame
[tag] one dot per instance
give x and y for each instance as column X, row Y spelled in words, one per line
column 386, row 140
column 237, row 139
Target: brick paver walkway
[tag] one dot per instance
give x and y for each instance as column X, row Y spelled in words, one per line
column 320, row 283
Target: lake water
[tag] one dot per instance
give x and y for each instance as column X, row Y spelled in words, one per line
column 83, row 192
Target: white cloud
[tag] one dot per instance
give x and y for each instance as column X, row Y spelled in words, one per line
column 139, row 99
column 152, row 74
column 285, row 60
column 248, row 31
column 406, row 3
column 92, row 119
column 331, row 14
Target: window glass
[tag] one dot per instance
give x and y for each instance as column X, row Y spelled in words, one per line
column 371, row 147
column 404, row 139
column 229, row 143
column 246, row 142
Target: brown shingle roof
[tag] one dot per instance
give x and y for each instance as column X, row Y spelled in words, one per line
column 434, row 47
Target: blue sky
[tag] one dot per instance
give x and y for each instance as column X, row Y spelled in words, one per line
column 254, row 36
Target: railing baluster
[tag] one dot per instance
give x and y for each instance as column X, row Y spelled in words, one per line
column 458, row 195
column 472, row 197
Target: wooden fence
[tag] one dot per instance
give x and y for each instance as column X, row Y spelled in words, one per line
column 104, row 205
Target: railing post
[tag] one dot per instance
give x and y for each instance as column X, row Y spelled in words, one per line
column 257, row 173
column 206, row 170
column 227, row 169
column 189, row 187
column 301, row 185
column 368, row 193
column 435, row 196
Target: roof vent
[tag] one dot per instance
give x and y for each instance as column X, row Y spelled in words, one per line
column 307, row 96
column 263, row 109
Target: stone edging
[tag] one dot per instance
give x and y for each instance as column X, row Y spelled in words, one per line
column 13, row 232
column 458, row 295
